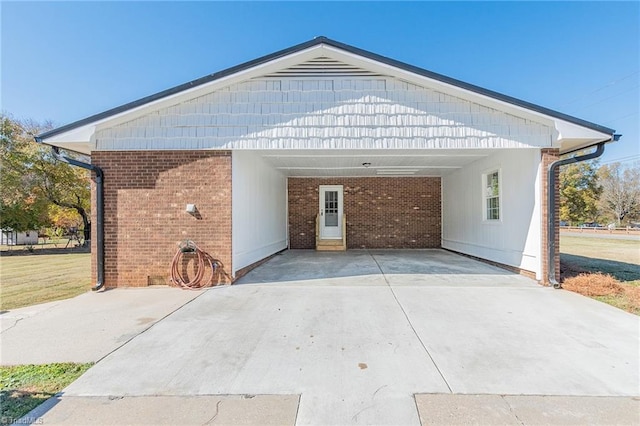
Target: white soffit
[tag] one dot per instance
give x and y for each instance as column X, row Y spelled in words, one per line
column 78, row 139
column 323, row 163
column 572, row 137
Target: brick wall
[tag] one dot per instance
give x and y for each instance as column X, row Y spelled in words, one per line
column 145, row 196
column 382, row 212
column 548, row 157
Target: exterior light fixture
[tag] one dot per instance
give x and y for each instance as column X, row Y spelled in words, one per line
column 366, row 164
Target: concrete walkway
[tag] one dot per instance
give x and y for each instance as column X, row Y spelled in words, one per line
column 258, row 410
column 375, row 337
column 84, row 328
column 262, row 410
column 518, row 410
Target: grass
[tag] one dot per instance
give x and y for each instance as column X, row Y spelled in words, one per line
column 607, row 270
column 27, row 279
column 619, row 250
column 31, row 279
column 24, row 387
column 620, row 302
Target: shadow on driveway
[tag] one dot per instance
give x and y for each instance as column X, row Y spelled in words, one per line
column 379, row 267
column 620, row 270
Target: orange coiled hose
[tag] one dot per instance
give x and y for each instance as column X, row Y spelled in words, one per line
column 204, row 262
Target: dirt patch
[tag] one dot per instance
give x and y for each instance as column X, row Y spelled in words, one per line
column 633, row 293
column 593, row 284
column 606, row 288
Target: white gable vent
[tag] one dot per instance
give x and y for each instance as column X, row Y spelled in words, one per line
column 323, row 67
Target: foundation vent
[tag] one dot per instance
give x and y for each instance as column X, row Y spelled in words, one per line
column 324, row 67
column 157, row 280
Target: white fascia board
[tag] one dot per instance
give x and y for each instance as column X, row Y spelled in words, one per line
column 266, row 68
column 78, row 139
column 83, row 134
column 572, row 137
column 564, row 129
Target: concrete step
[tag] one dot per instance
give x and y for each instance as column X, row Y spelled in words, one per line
column 329, row 242
column 331, row 248
column 330, row 245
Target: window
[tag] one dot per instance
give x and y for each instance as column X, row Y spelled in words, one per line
column 492, row 195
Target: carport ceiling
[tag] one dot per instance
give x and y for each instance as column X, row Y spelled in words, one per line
column 320, row 163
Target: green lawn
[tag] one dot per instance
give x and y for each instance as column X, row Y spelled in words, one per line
column 620, row 258
column 24, row 387
column 37, row 278
column 27, row 279
column 602, row 248
column 616, row 257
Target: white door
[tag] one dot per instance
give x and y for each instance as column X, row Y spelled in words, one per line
column 330, row 212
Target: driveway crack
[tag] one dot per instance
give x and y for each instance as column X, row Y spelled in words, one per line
column 53, row 305
column 511, row 410
column 409, row 322
column 14, row 324
column 208, row 422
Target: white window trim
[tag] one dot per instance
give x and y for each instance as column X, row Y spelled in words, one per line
column 484, row 198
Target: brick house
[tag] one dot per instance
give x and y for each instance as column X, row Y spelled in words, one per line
column 324, row 145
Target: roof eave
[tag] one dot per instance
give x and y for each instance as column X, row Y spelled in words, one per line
column 470, row 87
column 181, row 88
column 92, row 120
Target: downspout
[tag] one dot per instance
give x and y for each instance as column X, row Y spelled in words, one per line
column 551, row 203
column 99, row 213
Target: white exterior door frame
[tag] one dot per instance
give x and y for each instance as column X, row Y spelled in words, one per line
column 330, row 210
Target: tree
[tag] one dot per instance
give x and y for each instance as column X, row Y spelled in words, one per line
column 579, row 192
column 19, row 209
column 31, row 180
column 64, row 218
column 621, row 191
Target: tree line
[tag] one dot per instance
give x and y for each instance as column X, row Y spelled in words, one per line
column 604, row 194
column 36, row 190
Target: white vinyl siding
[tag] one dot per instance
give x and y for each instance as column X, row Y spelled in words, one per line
column 515, row 238
column 325, row 113
column 259, row 213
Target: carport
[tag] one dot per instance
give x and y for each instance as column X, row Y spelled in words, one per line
column 322, row 142
column 392, row 199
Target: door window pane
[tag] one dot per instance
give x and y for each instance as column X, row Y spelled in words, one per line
column 492, row 196
column 331, row 208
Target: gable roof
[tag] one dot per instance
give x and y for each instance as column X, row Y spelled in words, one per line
column 321, row 40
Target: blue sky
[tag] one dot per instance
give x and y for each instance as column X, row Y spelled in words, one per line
column 63, row 61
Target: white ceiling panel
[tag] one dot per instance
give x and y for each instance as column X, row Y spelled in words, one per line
column 323, row 163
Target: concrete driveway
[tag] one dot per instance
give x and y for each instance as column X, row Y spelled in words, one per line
column 356, row 335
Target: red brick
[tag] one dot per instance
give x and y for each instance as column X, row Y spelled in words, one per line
column 549, row 155
column 381, row 212
column 146, row 193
